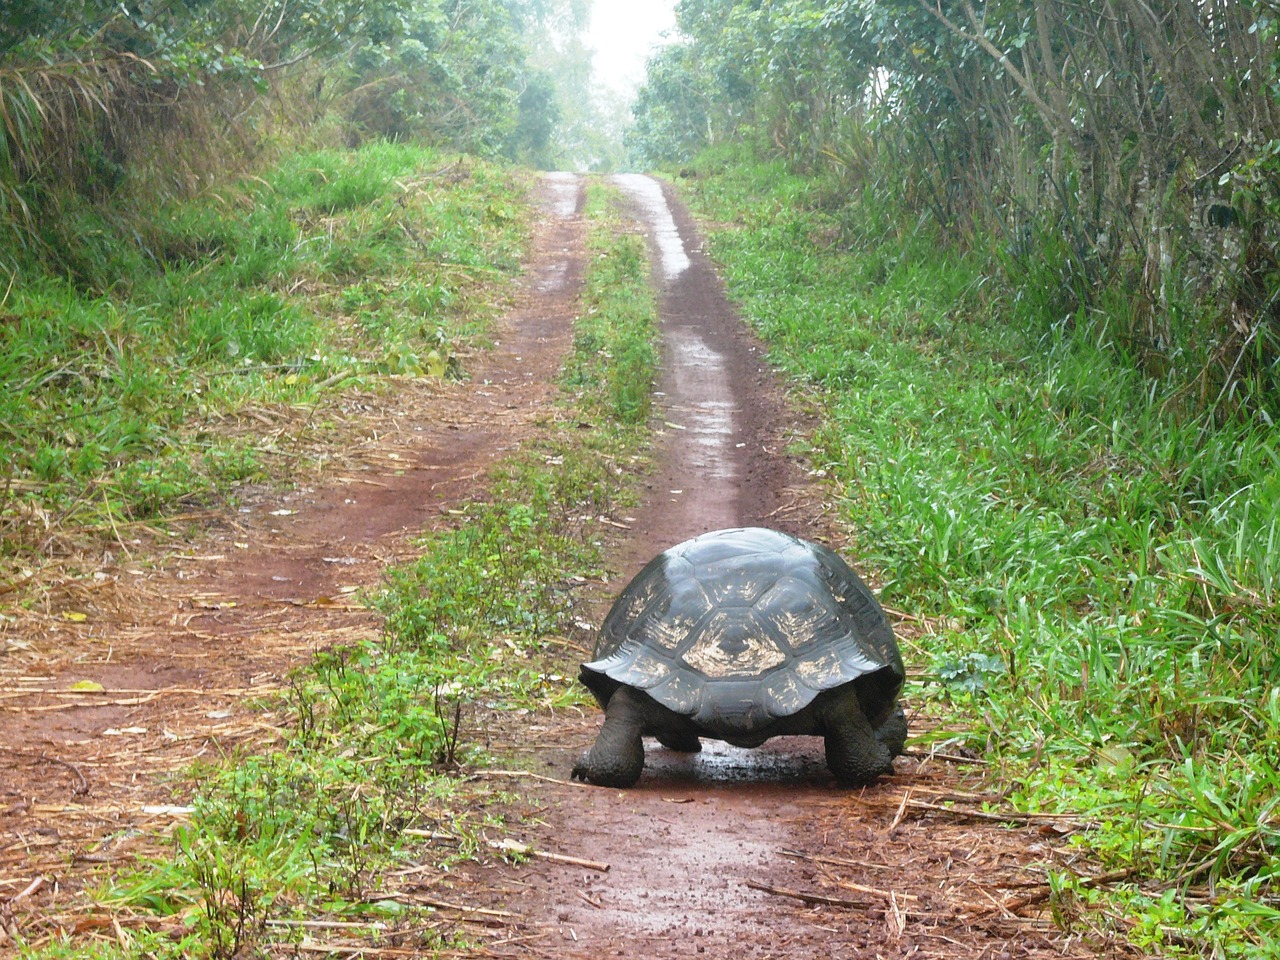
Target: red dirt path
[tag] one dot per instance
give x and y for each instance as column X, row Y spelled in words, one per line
column 713, row 855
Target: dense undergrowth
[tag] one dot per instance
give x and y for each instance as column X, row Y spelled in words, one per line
column 1100, row 577
column 138, row 383
column 362, row 782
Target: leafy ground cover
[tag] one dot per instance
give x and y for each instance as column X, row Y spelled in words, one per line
column 1099, row 579
column 134, row 385
column 360, row 785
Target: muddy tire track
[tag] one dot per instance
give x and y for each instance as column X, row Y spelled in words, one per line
column 177, row 642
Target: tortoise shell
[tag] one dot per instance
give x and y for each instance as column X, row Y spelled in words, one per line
column 738, row 628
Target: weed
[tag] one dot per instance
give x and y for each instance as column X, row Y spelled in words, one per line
column 1119, row 561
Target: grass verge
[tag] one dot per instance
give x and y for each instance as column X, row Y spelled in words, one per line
column 360, row 786
column 137, row 386
column 1100, row 579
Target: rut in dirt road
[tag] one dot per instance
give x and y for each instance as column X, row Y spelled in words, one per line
column 697, row 826
column 716, row 468
column 714, row 854
column 184, row 647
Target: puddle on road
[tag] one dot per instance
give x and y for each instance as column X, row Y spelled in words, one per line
column 702, row 403
column 564, row 193
column 785, row 760
column 648, row 193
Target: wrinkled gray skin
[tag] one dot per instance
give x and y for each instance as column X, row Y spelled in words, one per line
column 858, row 750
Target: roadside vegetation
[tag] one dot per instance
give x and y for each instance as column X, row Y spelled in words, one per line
column 216, row 217
column 140, row 392
column 1096, row 577
column 363, row 781
column 1119, row 161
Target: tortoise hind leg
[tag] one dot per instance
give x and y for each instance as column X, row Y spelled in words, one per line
column 855, row 754
column 617, row 758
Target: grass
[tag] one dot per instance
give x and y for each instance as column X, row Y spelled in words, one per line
column 1101, row 575
column 361, row 782
column 333, row 270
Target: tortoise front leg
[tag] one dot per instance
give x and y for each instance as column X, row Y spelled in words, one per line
column 617, row 757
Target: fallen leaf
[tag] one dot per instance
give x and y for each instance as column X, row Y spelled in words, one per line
column 87, row 686
column 74, row 616
column 512, row 846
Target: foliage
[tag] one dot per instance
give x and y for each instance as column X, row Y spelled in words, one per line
column 112, row 105
column 449, row 73
column 1116, row 164
column 1026, row 496
column 331, row 268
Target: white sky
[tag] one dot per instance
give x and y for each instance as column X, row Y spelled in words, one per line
column 623, row 34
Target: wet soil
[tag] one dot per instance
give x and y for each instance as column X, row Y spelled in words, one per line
column 725, row 854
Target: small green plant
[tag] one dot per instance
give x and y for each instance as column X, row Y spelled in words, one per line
column 971, row 672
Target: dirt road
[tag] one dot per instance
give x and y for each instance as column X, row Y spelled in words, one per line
column 726, row 854
column 756, row 853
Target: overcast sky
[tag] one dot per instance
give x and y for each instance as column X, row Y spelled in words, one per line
column 623, row 34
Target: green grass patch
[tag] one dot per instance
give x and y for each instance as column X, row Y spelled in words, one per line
column 1101, row 574
column 614, row 358
column 336, row 268
column 362, row 778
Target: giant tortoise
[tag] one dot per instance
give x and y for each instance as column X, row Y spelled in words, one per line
column 742, row 635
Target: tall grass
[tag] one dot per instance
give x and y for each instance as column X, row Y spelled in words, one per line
column 1037, row 501
column 334, row 266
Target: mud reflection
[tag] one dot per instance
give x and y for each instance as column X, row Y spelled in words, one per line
column 703, row 405
column 563, row 192
column 783, row 760
column 648, row 193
